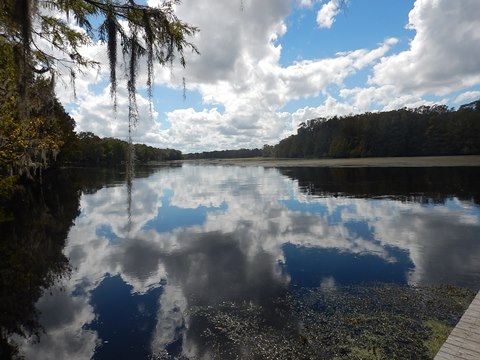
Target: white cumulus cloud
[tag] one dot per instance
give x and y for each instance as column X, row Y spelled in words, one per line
column 328, row 12
column 305, row 3
column 443, row 55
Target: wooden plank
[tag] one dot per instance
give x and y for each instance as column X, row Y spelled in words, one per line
column 469, row 319
column 463, row 343
column 459, row 352
column 443, row 356
column 466, row 331
column 474, row 312
column 471, row 332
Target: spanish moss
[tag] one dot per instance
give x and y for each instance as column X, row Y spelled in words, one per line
column 111, row 26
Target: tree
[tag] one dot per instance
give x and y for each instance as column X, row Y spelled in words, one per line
column 144, row 31
column 30, row 144
column 427, row 130
column 141, row 32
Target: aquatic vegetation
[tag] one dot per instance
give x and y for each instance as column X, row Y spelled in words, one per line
column 354, row 322
column 440, row 332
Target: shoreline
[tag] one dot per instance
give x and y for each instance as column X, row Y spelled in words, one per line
column 414, row 161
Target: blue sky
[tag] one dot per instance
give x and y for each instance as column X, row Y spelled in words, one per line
column 357, row 26
column 276, row 63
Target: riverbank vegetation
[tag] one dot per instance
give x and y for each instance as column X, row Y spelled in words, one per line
column 88, row 149
column 225, row 154
column 424, row 131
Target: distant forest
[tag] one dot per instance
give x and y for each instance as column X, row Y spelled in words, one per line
column 427, row 130
column 87, row 149
column 225, row 154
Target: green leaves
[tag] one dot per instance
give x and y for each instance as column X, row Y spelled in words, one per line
column 142, row 31
column 65, row 39
column 154, row 34
column 30, row 143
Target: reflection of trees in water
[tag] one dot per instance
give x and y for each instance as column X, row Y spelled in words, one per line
column 405, row 183
column 31, row 249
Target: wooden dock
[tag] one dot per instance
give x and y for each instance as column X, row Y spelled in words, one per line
column 463, row 343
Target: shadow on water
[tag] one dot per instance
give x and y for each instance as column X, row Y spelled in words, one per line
column 31, row 251
column 410, row 184
column 31, row 246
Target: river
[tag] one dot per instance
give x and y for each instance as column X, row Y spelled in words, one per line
column 107, row 271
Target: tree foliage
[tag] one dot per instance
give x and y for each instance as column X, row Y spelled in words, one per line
column 29, row 144
column 424, row 131
column 42, row 39
column 88, row 149
column 153, row 33
column 225, row 154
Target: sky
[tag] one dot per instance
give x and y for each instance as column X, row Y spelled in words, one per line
column 265, row 66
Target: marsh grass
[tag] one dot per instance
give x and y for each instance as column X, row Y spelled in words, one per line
column 439, row 333
column 414, row 161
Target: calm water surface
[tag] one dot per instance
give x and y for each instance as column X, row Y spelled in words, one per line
column 207, row 235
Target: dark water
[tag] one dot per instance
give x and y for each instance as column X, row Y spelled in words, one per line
column 121, row 280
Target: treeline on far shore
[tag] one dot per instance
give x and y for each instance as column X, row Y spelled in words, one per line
column 88, row 149
column 424, row 131
column 225, row 154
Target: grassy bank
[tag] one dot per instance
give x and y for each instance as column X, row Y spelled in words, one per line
column 420, row 161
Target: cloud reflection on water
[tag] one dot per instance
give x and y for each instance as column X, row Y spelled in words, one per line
column 227, row 239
